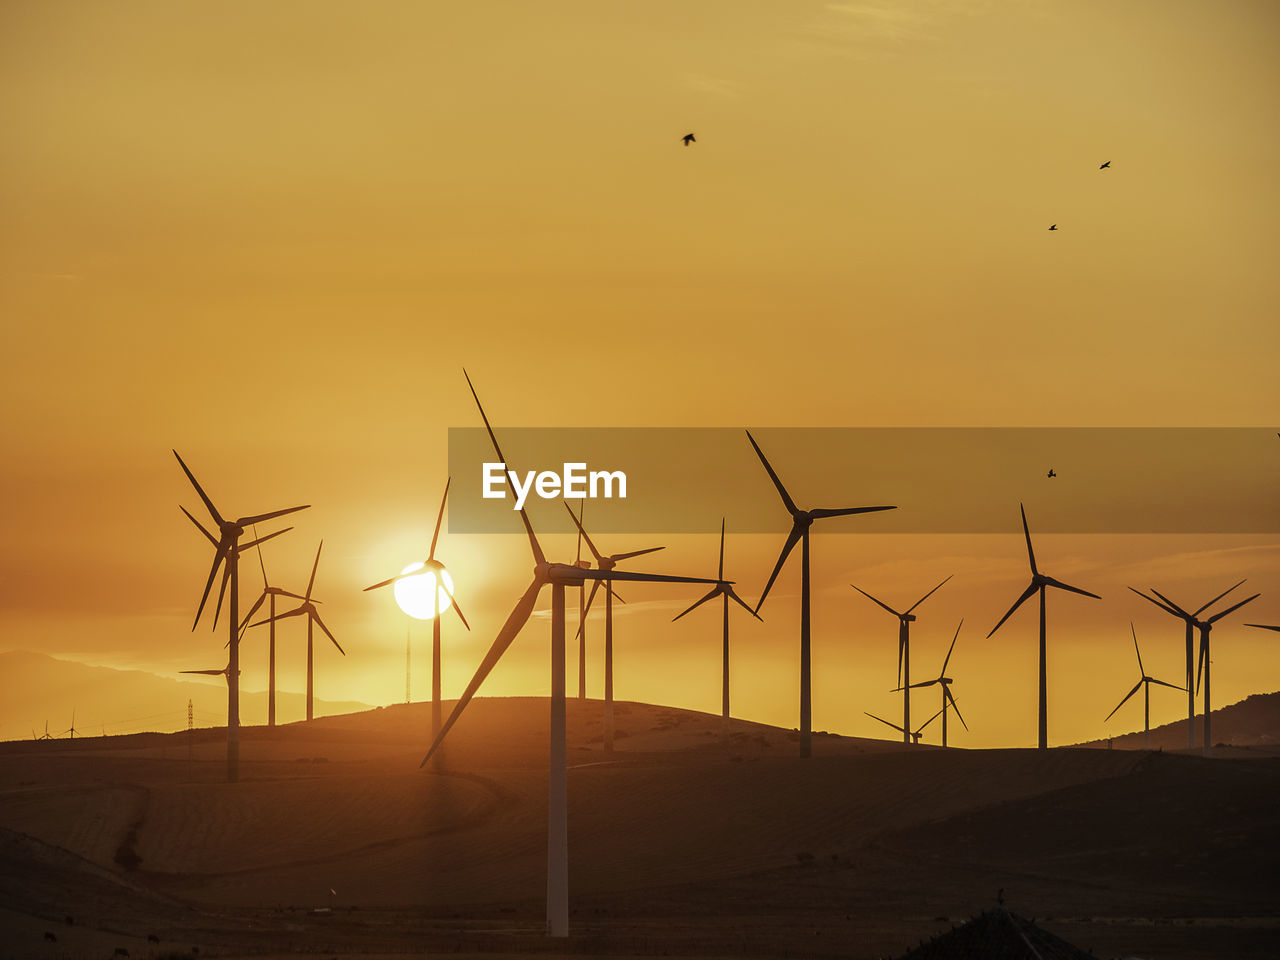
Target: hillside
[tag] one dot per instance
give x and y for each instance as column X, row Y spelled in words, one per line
column 1252, row 722
column 39, row 688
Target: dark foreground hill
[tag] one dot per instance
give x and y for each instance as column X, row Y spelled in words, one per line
column 336, row 843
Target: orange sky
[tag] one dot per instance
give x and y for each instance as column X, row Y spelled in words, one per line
column 271, row 235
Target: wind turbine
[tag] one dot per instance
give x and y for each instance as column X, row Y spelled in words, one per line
column 724, row 590
column 915, row 737
column 308, row 609
column 227, row 549
column 269, row 593
column 801, row 521
column 606, row 564
column 1039, row 581
column 943, row 681
column 1144, row 682
column 582, row 612
column 905, row 620
column 1190, row 621
column 442, row 596
column 1263, row 626
column 558, row 576
column 46, row 736
column 72, row 729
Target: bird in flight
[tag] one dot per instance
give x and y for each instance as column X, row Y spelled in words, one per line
column 1105, row 165
column 1054, row 227
column 1051, row 473
column 688, row 139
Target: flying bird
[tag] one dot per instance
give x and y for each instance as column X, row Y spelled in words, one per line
column 1054, row 227
column 688, row 139
column 1105, row 165
column 1051, row 473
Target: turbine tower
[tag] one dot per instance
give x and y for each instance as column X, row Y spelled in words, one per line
column 606, row 564
column 1145, row 682
column 269, row 593
column 443, row 594
column 1191, row 622
column 558, row 576
column 227, row 549
column 944, row 682
column 308, row 609
column 1039, row 582
column 905, row 620
column 801, row 521
column 724, row 590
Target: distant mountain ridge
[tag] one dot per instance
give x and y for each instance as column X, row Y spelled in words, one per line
column 1251, row 722
column 38, row 687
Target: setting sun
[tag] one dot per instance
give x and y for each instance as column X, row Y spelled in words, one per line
column 417, row 596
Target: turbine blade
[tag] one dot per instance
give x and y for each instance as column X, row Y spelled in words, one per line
column 920, row 729
column 583, row 534
column 327, row 632
column 262, row 566
column 1171, row 686
column 252, row 610
column 211, row 538
column 1218, row 616
column 714, row 592
column 947, row 659
column 1141, row 669
column 927, row 595
column 738, row 600
column 1066, row 586
column 582, row 512
column 439, row 519
column 617, row 557
column 640, row 577
column 1026, row 595
column 515, row 622
column 956, row 707
column 262, row 540
column 874, row 600
column 1136, row 687
column 217, row 517
column 1165, row 607
column 208, row 584
column 312, row 582
column 912, row 686
column 1180, row 612
column 280, row 616
column 1262, row 626
column 538, row 556
column 211, row 673
column 822, row 513
column 384, row 583
column 884, row 721
column 260, row 517
column 782, row 491
column 1031, row 554
column 458, row 610
column 792, row 539
column 222, row 589
column 1215, row 599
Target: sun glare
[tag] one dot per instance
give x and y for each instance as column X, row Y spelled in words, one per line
column 419, row 596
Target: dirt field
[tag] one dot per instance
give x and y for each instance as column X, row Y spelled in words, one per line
column 680, row 844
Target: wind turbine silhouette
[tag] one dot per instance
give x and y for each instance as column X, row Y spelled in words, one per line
column 801, row 521
column 268, row 593
column 724, row 590
column 308, row 609
column 72, row 729
column 943, row 681
column 1263, row 626
column 1144, row 682
column 433, row 567
column 606, row 564
column 227, row 549
column 582, row 612
column 905, row 620
column 1039, row 582
column 1189, row 619
column 915, row 737
column 558, row 576
column 46, row 736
